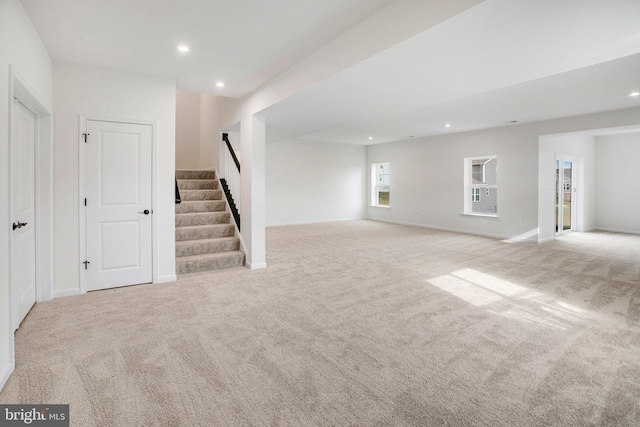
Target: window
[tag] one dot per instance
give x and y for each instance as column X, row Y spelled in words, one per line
column 481, row 173
column 380, row 184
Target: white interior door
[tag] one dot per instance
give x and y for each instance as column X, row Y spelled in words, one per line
column 118, row 204
column 23, row 242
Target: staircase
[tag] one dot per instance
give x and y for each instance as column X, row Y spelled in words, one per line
column 205, row 237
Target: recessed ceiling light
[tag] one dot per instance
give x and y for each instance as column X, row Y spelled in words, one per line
column 220, row 84
column 183, row 48
column 370, row 138
column 448, row 125
column 634, row 93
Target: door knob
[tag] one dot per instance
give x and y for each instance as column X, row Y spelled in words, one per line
column 19, row 225
column 146, row 212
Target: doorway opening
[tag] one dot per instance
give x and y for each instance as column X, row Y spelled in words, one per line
column 566, row 191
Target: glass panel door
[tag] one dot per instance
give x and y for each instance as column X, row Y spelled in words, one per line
column 558, row 224
column 565, row 189
column 567, row 201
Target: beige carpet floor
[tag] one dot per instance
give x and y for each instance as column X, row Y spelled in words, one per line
column 355, row 323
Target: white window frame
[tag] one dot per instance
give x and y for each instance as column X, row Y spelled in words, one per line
column 376, row 189
column 469, row 186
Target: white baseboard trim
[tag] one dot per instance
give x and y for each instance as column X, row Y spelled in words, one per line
column 168, row 278
column 616, row 230
column 6, row 372
column 66, row 293
column 196, row 169
column 257, row 266
column 456, row 230
column 314, row 222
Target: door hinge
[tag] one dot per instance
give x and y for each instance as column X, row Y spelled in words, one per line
column 85, row 201
column 85, row 136
column 86, row 263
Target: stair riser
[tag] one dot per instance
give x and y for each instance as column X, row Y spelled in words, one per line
column 201, row 206
column 202, row 219
column 203, row 184
column 195, row 174
column 204, row 233
column 184, row 267
column 195, row 248
column 195, row 195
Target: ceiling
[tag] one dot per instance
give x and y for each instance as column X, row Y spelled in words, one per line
column 244, row 43
column 497, row 62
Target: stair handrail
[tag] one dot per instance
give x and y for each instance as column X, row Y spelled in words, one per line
column 225, row 138
column 230, row 182
column 178, row 198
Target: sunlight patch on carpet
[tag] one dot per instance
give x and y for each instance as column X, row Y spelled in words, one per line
column 481, row 289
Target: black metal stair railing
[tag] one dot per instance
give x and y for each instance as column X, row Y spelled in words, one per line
column 178, row 199
column 232, row 204
column 225, row 185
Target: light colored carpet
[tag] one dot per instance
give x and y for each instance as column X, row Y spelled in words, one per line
column 355, row 323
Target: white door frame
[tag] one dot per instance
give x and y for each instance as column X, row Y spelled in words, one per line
column 82, row 220
column 43, row 189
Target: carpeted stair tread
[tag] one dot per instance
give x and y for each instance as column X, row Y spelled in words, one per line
column 207, row 246
column 201, row 206
column 199, row 232
column 206, row 262
column 193, row 195
column 205, row 235
column 202, row 218
column 197, row 184
column 188, row 174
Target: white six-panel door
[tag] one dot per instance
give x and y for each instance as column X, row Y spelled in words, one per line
column 118, row 206
column 23, row 242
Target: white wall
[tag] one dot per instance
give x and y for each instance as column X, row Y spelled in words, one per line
column 200, row 119
column 214, row 116
column 618, row 183
column 309, row 181
column 427, row 175
column 187, row 130
column 20, row 47
column 99, row 93
column 427, row 181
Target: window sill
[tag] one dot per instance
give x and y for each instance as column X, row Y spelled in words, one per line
column 381, row 206
column 481, row 215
